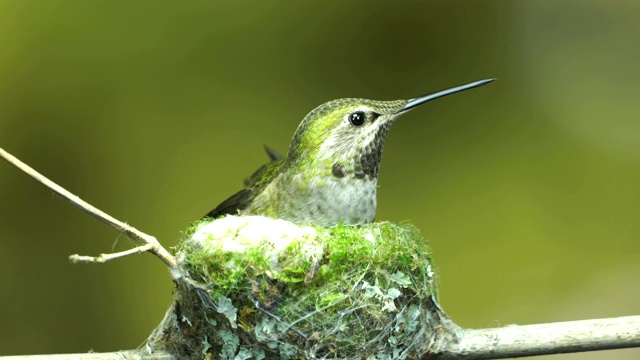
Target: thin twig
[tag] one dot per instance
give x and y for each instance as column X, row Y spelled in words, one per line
column 542, row 339
column 146, row 242
column 102, row 258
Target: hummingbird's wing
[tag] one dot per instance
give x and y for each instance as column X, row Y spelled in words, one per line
column 243, row 198
column 232, row 205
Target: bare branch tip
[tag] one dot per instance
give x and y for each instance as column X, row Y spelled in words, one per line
column 102, row 258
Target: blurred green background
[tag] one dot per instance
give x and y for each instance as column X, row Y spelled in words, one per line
column 528, row 188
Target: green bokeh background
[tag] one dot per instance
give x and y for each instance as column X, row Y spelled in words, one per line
column 529, row 188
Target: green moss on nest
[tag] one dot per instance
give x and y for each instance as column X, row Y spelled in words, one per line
column 345, row 292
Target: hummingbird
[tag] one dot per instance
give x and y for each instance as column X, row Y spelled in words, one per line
column 330, row 173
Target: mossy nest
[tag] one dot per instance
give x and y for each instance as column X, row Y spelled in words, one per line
column 275, row 290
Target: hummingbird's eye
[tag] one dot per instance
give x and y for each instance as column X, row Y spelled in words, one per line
column 357, row 118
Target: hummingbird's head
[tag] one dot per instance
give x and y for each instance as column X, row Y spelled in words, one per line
column 347, row 134
column 345, row 137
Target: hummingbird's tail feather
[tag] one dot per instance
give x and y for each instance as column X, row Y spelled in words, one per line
column 273, row 154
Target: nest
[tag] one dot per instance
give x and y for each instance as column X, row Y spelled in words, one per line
column 275, row 290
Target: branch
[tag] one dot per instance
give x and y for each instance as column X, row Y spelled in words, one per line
column 146, row 242
column 542, row 339
column 118, row 355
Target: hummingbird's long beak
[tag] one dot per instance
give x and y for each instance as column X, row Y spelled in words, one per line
column 425, row 98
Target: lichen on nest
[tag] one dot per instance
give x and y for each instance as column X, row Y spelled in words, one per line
column 282, row 291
